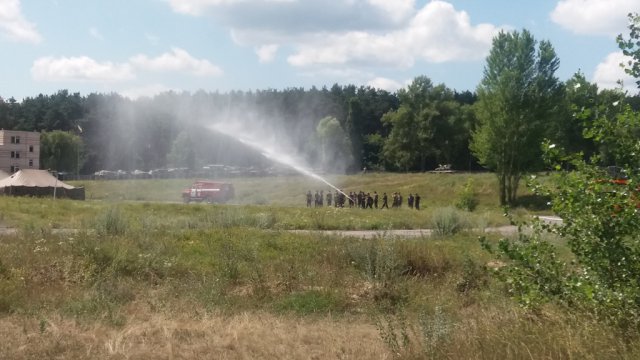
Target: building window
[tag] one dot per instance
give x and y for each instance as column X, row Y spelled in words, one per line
column 30, row 148
column 30, row 162
column 15, row 139
column 14, row 168
column 17, row 155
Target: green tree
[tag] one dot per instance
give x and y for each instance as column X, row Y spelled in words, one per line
column 600, row 225
column 61, row 151
column 631, row 47
column 516, row 101
column 334, row 143
column 424, row 126
column 601, row 228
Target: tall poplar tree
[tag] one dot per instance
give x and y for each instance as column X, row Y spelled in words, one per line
column 518, row 99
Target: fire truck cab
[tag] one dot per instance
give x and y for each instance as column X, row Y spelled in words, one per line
column 209, row 192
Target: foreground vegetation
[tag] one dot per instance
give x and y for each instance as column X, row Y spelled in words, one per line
column 137, row 279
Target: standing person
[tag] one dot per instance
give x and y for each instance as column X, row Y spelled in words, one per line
column 321, row 198
column 336, row 198
column 309, row 197
column 410, row 201
column 329, row 198
column 399, row 200
column 384, row 201
column 351, row 196
column 375, row 199
column 369, row 201
column 417, row 201
column 316, row 198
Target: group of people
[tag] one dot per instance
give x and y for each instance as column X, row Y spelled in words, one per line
column 361, row 200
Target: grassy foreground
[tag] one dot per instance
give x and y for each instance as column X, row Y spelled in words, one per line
column 147, row 280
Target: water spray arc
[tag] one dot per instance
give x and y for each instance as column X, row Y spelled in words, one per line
column 270, row 150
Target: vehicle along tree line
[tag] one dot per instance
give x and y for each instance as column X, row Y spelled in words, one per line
column 518, row 103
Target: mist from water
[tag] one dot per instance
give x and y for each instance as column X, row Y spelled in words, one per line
column 270, row 147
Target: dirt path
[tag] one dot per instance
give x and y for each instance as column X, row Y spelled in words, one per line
column 363, row 234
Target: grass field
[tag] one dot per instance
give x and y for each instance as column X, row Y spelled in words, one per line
column 137, row 275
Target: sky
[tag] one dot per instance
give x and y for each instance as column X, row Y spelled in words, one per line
column 145, row 47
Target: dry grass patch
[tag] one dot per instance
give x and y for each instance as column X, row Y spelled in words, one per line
column 243, row 336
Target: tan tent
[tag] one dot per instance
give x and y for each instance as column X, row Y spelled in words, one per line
column 38, row 183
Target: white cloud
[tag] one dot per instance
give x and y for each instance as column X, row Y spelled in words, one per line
column 199, row 7
column 267, row 53
column 300, row 16
column 391, row 33
column 13, row 24
column 437, row 33
column 598, row 17
column 84, row 68
column 609, row 72
column 398, row 10
column 385, row 84
column 80, row 68
column 176, row 60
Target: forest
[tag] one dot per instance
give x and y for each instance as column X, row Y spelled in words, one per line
column 160, row 132
column 342, row 129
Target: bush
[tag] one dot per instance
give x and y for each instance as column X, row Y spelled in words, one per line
column 467, row 198
column 112, row 223
column 447, row 221
column 602, row 230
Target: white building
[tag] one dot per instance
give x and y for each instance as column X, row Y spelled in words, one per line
column 19, row 150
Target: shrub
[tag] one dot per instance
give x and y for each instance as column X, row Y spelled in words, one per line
column 467, row 198
column 112, row 222
column 447, row 221
column 602, row 230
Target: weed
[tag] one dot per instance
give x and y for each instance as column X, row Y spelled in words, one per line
column 394, row 331
column 112, row 222
column 11, row 295
column 473, row 276
column 435, row 331
column 310, row 302
column 467, row 198
column 447, row 221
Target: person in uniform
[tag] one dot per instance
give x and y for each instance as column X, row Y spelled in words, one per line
column 384, row 201
column 410, row 201
column 329, row 198
column 309, row 197
column 375, row 199
column 417, row 201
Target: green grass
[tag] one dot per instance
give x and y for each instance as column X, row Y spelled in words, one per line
column 429, row 297
column 436, row 190
column 267, row 203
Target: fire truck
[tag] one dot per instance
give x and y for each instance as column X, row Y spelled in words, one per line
column 209, row 192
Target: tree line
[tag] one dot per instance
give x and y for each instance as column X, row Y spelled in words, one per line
column 499, row 126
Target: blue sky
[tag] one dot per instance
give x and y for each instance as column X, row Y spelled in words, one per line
column 143, row 47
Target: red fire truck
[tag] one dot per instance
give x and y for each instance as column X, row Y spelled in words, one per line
column 209, row 192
